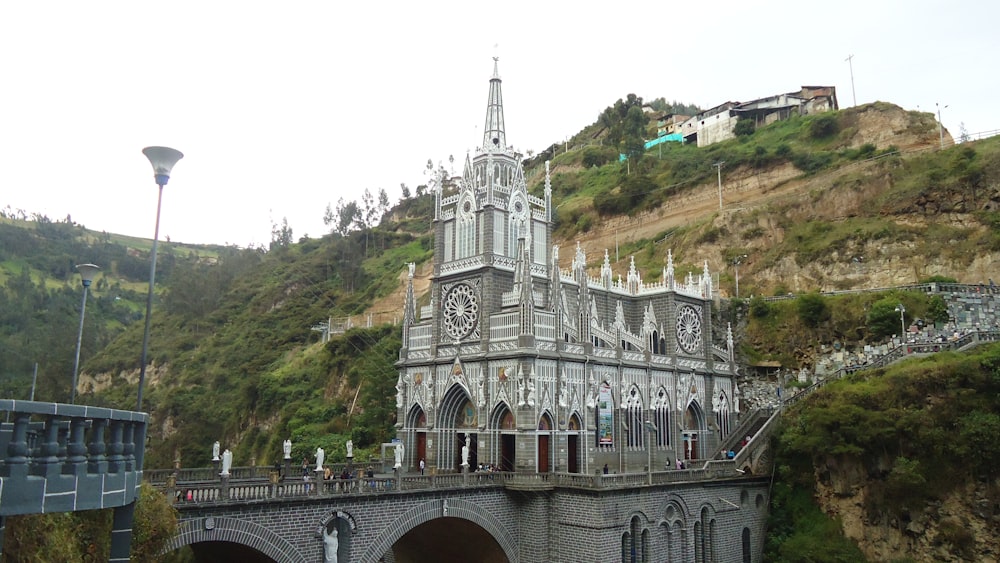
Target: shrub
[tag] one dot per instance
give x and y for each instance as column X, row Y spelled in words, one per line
column 811, row 161
column 783, row 151
column 823, row 126
column 939, row 279
column 906, row 484
column 744, row 128
column 952, row 531
column 759, row 308
column 812, row 309
column 883, row 318
column 598, row 156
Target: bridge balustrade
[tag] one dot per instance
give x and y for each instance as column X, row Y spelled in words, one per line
column 223, row 491
column 62, row 458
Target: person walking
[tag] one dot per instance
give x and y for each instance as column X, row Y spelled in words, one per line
column 422, row 465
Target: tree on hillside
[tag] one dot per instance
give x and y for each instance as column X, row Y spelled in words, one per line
column 344, row 218
column 883, row 317
column 615, row 119
column 281, row 236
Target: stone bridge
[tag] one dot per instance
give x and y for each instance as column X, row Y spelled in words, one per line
column 715, row 512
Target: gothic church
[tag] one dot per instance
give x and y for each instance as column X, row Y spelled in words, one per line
column 531, row 368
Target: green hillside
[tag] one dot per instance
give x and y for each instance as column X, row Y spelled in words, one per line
column 235, row 359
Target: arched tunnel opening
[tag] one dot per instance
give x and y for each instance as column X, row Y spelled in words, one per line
column 448, row 540
column 224, row 552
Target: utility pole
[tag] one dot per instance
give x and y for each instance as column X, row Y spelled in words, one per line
column 940, row 126
column 718, row 167
column 850, row 65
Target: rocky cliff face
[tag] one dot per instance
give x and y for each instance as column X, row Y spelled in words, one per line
column 762, row 207
column 963, row 526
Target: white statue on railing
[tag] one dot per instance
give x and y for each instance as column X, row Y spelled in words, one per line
column 350, row 449
column 330, row 545
column 215, row 451
column 286, row 448
column 320, row 456
column 465, row 452
column 227, row 462
column 399, row 455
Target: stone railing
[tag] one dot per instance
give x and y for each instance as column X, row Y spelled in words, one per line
column 227, row 491
column 921, row 287
column 63, row 458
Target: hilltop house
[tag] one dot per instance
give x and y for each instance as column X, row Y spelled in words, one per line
column 716, row 124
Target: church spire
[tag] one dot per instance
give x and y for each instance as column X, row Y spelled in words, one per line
column 494, row 138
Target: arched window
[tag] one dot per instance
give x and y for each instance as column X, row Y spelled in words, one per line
column 722, row 416
column 661, row 418
column 465, row 242
column 634, row 418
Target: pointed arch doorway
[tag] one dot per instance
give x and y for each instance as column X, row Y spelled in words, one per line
column 418, row 421
column 694, row 425
column 544, row 444
column 505, row 427
column 573, row 445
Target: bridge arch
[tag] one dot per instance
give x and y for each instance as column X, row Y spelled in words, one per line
column 234, row 530
column 430, row 510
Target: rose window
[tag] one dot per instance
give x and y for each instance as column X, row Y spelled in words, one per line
column 688, row 329
column 460, row 311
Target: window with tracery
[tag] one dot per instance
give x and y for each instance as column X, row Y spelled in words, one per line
column 661, row 418
column 634, row 418
column 722, row 416
column 466, row 235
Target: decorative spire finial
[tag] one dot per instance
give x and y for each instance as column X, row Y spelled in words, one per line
column 494, row 137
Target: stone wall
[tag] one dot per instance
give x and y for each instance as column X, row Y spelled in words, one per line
column 563, row 524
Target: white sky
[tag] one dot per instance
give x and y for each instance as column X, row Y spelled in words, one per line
column 283, row 107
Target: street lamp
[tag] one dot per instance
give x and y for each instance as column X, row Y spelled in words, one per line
column 87, row 273
column 163, row 160
column 902, row 323
column 940, row 127
column 736, row 266
column 650, row 431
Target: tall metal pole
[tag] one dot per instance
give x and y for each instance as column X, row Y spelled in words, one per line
column 940, row 125
column 851, row 66
column 87, row 273
column 736, row 266
column 34, row 380
column 149, row 301
column 718, row 166
column 79, row 340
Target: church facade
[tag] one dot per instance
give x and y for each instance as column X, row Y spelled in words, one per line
column 522, row 365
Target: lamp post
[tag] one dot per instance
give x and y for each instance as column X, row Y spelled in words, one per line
column 940, row 127
column 87, row 273
column 650, row 430
column 736, row 266
column 163, row 160
column 718, row 168
column 902, row 323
